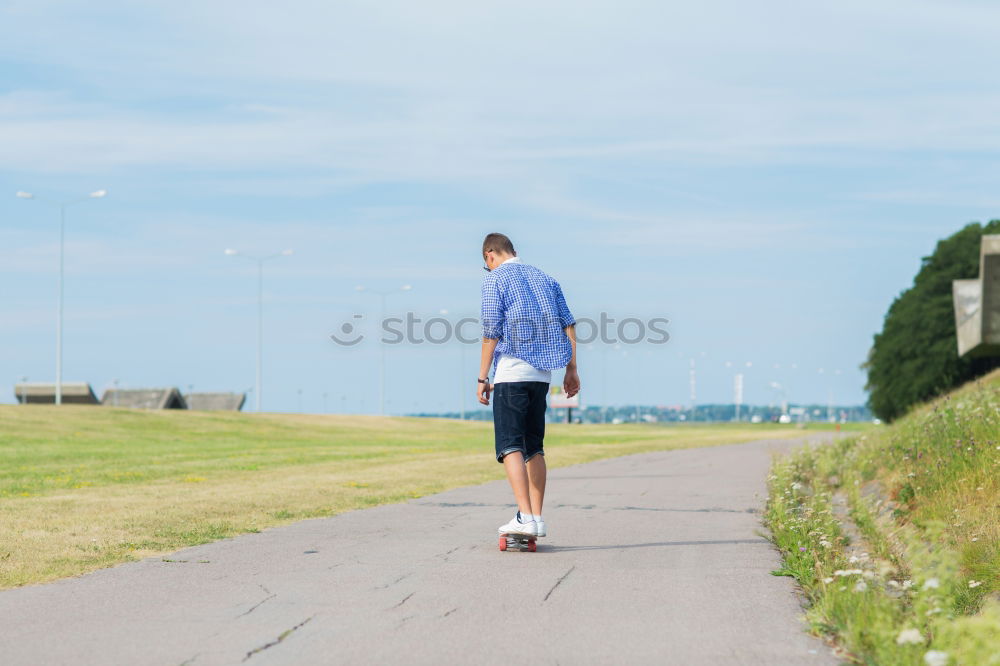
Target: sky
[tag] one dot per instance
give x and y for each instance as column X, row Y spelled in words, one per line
column 765, row 176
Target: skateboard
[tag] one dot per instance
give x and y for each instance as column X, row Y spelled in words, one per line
column 518, row 542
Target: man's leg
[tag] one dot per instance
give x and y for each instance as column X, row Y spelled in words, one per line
column 536, row 482
column 510, row 403
column 534, row 440
column 517, row 475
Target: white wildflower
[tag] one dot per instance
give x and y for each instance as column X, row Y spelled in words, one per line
column 860, row 586
column 907, row 584
column 847, row 572
column 828, row 580
column 931, row 584
column 909, row 637
column 868, row 575
column 936, row 658
column 975, row 583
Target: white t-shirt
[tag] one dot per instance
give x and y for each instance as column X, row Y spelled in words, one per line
column 513, row 369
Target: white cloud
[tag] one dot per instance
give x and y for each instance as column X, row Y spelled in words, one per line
column 453, row 92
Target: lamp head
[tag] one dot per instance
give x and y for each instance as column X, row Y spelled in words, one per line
column 288, row 253
column 230, row 251
column 25, row 195
column 98, row 194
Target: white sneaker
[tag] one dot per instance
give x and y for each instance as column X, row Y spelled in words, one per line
column 517, row 527
column 540, row 528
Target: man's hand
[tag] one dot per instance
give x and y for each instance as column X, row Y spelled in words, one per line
column 483, row 392
column 571, row 382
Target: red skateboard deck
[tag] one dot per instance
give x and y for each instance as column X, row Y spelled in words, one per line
column 518, row 542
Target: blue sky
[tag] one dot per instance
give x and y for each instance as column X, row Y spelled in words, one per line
column 765, row 175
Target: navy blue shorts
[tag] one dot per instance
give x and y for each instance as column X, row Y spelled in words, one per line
column 519, row 418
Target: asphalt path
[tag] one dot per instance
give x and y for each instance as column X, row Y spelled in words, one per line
column 654, row 558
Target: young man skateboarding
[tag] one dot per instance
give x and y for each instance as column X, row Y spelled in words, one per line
column 528, row 331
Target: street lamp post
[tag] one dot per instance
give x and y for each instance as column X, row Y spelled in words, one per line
column 381, row 370
column 260, row 308
column 63, row 205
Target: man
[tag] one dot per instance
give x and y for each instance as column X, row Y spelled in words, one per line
column 528, row 331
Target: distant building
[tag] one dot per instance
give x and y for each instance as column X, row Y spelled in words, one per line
column 73, row 393
column 153, row 398
column 232, row 402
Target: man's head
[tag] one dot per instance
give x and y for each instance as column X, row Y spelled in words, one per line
column 497, row 249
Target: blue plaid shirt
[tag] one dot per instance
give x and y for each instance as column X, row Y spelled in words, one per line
column 525, row 309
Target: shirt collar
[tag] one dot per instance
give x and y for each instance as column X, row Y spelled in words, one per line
column 512, row 260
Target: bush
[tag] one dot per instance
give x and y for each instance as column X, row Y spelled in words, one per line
column 915, row 357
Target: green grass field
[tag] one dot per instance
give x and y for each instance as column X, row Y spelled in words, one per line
column 88, row 487
column 908, row 571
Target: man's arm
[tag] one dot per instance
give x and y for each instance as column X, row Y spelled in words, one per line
column 571, row 381
column 492, row 318
column 485, row 361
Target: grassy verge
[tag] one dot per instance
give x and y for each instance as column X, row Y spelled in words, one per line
column 83, row 488
column 894, row 535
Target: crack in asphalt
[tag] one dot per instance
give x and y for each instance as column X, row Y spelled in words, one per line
column 453, row 505
column 271, row 594
column 167, row 559
column 561, row 579
column 282, row 636
column 401, row 578
column 656, row 544
column 405, row 599
column 714, row 509
column 444, row 556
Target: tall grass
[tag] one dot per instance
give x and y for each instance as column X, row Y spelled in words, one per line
column 910, row 574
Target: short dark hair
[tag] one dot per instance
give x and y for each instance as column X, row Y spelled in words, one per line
column 497, row 243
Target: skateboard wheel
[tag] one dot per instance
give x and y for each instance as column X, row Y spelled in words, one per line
column 503, row 543
column 531, row 546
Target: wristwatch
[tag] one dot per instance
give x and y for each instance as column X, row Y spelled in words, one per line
column 484, row 381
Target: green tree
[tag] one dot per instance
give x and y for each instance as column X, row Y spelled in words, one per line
column 915, row 357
